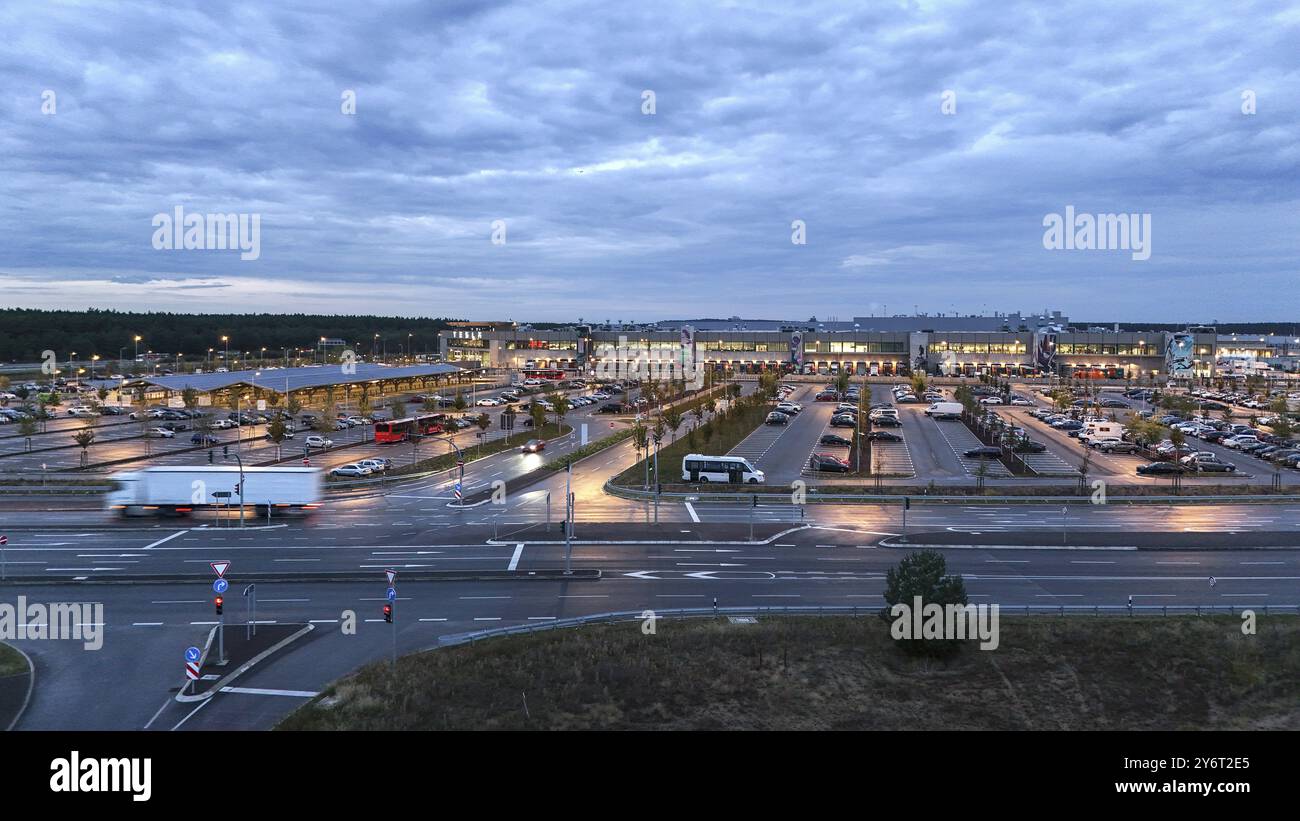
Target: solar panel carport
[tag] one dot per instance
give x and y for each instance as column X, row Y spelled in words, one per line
column 295, row 379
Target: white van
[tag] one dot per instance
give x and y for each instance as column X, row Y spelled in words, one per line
column 944, row 410
column 727, row 469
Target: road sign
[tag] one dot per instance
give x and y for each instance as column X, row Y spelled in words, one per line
column 192, row 670
column 458, row 495
column 220, row 568
column 392, row 574
column 4, row 540
column 192, row 654
column 392, row 594
column 220, row 586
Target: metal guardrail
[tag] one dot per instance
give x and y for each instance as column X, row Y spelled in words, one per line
column 622, row 616
column 813, row 497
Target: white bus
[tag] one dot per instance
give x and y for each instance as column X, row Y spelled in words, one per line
column 731, row 469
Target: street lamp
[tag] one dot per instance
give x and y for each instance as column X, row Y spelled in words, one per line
column 137, row 347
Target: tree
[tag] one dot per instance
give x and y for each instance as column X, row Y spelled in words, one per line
column 276, row 432
column 292, row 405
column 923, row 574
column 102, row 393
column 560, row 403
column 399, row 409
column 459, row 402
column 672, row 417
column 484, row 422
column 84, row 438
column 538, row 414
column 190, row 398
column 640, row 437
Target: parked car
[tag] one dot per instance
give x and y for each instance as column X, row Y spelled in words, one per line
column 376, row 465
column 162, row 433
column 982, row 452
column 834, row 441
column 827, row 462
column 1160, row 469
column 884, row 436
column 1118, row 446
column 1214, row 466
column 319, row 442
column 204, row 439
column 843, row 422
column 776, row 418
column 353, row 470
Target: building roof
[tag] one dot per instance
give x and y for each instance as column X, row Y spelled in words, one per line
column 289, row 379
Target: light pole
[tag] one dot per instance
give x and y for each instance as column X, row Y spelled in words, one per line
column 137, row 347
column 226, row 356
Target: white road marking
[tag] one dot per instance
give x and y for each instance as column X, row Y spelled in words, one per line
column 168, row 539
column 514, row 560
column 691, row 510
column 259, row 691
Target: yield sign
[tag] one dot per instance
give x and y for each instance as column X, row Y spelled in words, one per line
column 392, row 574
column 220, row 568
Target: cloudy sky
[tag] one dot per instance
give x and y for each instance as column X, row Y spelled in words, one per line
column 533, row 114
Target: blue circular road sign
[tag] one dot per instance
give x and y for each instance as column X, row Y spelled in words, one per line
column 392, row 594
column 220, row 586
column 191, row 654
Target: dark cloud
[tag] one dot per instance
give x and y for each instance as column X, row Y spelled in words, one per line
column 529, row 113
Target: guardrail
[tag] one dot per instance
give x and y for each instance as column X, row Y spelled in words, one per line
column 814, row 497
column 854, row 610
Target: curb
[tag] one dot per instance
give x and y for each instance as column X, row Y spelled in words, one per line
column 347, row 577
column 243, row 668
column 768, row 540
column 31, row 686
column 1159, row 548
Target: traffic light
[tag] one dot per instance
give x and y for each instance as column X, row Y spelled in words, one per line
column 388, row 613
column 219, row 601
column 225, row 450
column 209, row 456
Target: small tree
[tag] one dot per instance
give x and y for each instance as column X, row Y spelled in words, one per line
column 276, row 432
column 84, row 438
column 292, row 405
column 672, row 418
column 484, row 422
column 560, row 403
column 538, row 414
column 399, row 409
column 459, row 403
column 190, row 398
column 923, row 574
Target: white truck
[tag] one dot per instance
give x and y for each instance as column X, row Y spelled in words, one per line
column 944, row 410
column 177, row 491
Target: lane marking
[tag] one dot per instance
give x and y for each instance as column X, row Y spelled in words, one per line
column 168, row 539
column 691, row 510
column 260, row 691
column 514, row 560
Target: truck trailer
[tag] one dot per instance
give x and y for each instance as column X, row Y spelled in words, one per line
column 177, row 491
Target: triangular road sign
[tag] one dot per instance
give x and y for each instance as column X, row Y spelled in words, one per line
column 221, row 568
column 392, row 574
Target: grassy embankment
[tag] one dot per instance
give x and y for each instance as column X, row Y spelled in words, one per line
column 1072, row 673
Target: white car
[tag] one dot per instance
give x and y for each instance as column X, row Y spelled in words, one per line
column 319, row 442
column 163, row 433
column 222, row 424
column 375, row 465
column 1018, row 400
column 991, row 400
column 354, row 469
column 81, row 410
column 488, row 403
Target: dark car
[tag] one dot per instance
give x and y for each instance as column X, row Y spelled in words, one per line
column 843, row 422
column 827, row 462
column 834, row 440
column 1215, row 467
column 884, row 436
column 828, row 396
column 175, row 426
column 886, row 422
column 1160, row 469
column 533, row 446
column 1113, row 403
column 610, row 407
column 205, row 440
column 111, row 410
column 984, row 452
column 1027, row 446
column 776, row 418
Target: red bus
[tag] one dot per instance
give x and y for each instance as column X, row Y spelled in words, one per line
column 547, row 373
column 399, row 430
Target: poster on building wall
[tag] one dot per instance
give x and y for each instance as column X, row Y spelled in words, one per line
column 1045, row 351
column 796, row 348
column 1178, row 355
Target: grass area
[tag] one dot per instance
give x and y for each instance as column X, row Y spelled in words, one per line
column 810, row 673
column 715, row 437
column 12, row 662
column 588, row 449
